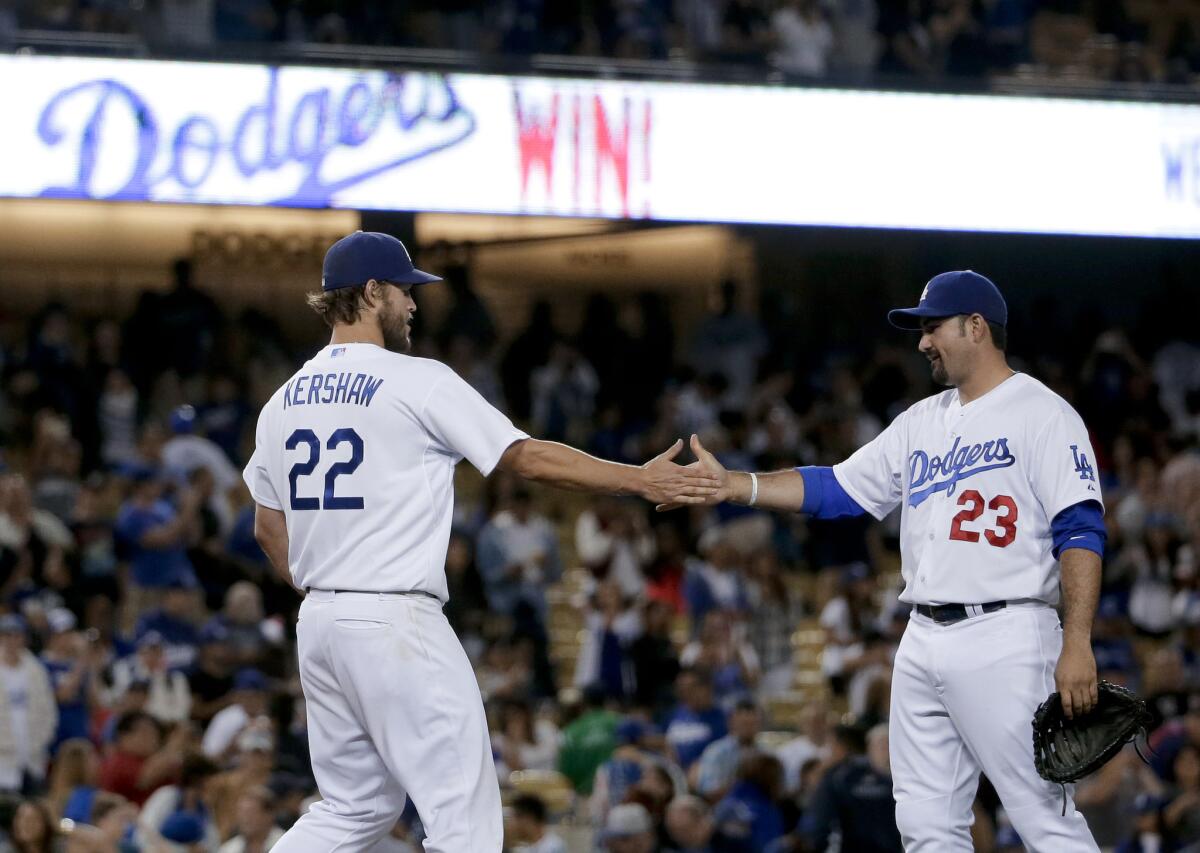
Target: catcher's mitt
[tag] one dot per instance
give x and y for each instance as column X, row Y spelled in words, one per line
column 1065, row 750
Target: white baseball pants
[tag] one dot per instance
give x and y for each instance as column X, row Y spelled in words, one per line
column 393, row 709
column 963, row 698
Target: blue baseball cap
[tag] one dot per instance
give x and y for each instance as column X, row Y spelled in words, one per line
column 364, row 255
column 149, row 639
column 183, row 419
column 950, row 294
column 213, row 632
column 182, row 828
column 137, row 472
column 631, row 730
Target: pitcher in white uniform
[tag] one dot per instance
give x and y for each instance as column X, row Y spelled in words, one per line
column 1001, row 522
column 352, row 474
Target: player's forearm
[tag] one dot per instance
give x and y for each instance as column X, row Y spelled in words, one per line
column 567, row 468
column 778, row 490
column 270, row 531
column 1081, row 593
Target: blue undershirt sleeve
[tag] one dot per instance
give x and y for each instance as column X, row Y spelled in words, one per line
column 824, row 496
column 1080, row 525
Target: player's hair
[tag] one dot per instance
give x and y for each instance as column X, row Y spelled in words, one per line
column 340, row 306
column 531, row 807
column 999, row 336
column 999, row 333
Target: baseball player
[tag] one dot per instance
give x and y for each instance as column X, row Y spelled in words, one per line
column 1000, row 509
column 352, row 474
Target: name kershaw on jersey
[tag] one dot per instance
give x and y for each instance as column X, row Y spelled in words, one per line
column 955, row 464
column 351, row 388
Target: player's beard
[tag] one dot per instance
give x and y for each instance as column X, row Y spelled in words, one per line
column 938, row 369
column 396, row 335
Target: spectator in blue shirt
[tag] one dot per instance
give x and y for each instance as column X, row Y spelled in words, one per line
column 224, row 417
column 72, row 789
column 696, row 722
column 633, row 757
column 173, row 622
column 717, row 767
column 748, row 818
column 155, row 535
column 714, row 582
column 73, row 675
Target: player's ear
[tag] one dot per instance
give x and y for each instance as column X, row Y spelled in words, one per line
column 978, row 327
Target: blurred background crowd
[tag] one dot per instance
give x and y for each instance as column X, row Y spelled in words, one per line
column 707, row 680
column 1126, row 41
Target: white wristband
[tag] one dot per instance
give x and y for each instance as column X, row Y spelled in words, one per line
column 753, row 489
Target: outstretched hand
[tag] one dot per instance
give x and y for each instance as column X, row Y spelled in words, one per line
column 676, row 485
column 708, row 464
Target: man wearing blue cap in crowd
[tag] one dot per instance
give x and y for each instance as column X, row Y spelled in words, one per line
column 154, row 535
column 352, row 475
column 1000, row 507
column 250, row 698
column 186, row 452
column 74, row 672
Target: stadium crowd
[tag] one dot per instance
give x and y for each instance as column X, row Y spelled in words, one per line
column 1129, row 41
column 148, row 693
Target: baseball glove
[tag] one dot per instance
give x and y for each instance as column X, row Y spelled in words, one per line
column 1065, row 750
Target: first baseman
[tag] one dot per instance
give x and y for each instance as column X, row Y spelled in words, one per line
column 352, row 474
column 996, row 482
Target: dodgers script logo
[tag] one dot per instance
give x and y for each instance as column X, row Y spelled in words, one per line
column 957, row 463
column 294, row 139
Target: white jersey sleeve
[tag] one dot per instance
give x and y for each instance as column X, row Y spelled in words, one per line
column 257, row 473
column 461, row 423
column 1063, row 472
column 874, row 474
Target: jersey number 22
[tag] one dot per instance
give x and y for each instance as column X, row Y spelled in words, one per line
column 303, row 469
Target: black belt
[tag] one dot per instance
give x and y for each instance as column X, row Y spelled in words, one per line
column 309, row 589
column 948, row 614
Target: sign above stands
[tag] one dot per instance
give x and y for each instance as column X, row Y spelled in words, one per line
column 334, row 138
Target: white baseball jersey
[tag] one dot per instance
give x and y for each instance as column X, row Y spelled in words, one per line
column 358, row 450
column 979, row 486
